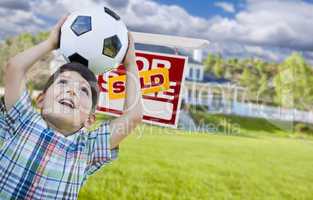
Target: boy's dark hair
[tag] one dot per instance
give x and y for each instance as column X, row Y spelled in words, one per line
column 84, row 72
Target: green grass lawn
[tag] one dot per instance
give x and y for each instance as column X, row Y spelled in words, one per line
column 251, row 127
column 157, row 163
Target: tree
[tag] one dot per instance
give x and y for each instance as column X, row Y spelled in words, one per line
column 209, row 62
column 263, row 91
column 13, row 45
column 294, row 83
column 218, row 68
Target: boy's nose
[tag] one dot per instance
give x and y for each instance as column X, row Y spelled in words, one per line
column 71, row 92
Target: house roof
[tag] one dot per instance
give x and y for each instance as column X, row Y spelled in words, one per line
column 212, row 78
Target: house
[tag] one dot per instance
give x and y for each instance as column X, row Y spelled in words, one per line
column 215, row 94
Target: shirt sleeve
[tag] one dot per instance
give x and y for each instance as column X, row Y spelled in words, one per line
column 11, row 120
column 99, row 152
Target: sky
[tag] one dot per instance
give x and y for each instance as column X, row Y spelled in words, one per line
column 266, row 29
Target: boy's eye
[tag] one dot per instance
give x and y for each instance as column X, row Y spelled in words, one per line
column 62, row 81
column 85, row 91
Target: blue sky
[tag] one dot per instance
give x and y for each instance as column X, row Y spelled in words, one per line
column 267, row 29
column 202, row 8
column 209, row 8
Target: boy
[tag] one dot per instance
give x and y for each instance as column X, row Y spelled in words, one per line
column 49, row 155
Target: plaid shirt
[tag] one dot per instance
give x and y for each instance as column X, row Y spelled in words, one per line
column 37, row 162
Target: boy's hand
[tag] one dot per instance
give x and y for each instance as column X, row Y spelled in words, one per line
column 54, row 37
column 130, row 56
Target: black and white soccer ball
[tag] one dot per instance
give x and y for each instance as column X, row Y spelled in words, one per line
column 95, row 37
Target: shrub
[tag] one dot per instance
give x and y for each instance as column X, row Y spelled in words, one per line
column 304, row 128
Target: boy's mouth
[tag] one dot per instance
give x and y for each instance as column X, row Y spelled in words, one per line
column 67, row 102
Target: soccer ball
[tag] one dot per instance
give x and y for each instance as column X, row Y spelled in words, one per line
column 94, row 37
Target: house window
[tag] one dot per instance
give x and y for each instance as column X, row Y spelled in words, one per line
column 197, row 96
column 217, row 101
column 191, row 73
column 189, row 95
column 198, row 74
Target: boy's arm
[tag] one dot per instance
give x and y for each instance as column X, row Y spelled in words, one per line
column 132, row 116
column 17, row 66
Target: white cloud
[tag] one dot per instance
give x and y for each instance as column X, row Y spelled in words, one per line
column 239, row 50
column 18, row 21
column 152, row 17
column 226, row 6
column 270, row 24
column 15, row 4
column 261, row 52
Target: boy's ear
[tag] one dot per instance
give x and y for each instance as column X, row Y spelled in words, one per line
column 39, row 100
column 91, row 119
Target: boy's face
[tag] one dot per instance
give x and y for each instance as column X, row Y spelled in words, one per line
column 67, row 103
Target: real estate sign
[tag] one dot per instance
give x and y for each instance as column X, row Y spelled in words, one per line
column 161, row 79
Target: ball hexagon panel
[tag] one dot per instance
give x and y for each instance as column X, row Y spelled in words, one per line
column 111, row 46
column 81, row 25
column 78, row 58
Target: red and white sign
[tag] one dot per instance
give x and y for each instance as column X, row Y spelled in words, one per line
column 161, row 77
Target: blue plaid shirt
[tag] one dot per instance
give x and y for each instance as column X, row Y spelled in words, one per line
column 36, row 162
